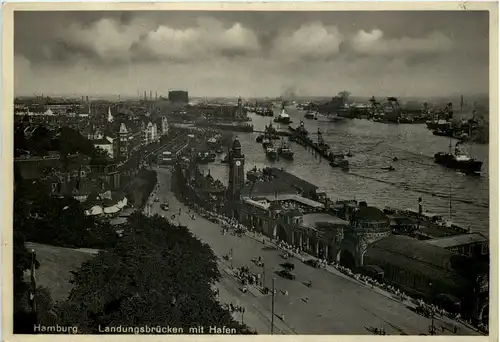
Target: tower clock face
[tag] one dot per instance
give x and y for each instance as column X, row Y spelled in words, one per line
column 238, row 163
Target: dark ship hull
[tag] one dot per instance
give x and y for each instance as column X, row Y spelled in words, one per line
column 449, row 160
column 286, row 154
column 272, row 155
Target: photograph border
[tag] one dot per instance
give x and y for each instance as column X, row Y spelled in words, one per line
column 6, row 149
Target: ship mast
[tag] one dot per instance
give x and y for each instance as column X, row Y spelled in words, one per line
column 450, row 203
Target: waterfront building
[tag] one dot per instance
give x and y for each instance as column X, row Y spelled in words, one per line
column 423, row 270
column 471, row 245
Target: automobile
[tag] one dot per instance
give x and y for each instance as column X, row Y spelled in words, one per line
column 157, row 199
column 288, row 266
column 313, row 263
column 287, row 274
column 165, row 206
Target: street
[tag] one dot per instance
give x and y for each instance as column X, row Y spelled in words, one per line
column 333, row 305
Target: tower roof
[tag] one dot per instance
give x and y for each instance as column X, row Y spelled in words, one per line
column 236, row 144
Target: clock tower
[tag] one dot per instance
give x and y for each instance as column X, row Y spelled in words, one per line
column 236, row 171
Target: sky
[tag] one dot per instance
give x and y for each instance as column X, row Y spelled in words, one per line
column 251, row 54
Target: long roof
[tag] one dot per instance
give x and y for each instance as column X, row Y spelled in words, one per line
column 292, row 179
column 296, row 198
column 314, row 220
column 458, row 240
column 433, row 262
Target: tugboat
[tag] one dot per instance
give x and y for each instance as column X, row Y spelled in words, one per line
column 339, row 161
column 283, row 117
column 266, row 142
column 310, row 115
column 271, row 153
column 301, row 130
column 285, row 151
column 459, row 160
column 443, row 132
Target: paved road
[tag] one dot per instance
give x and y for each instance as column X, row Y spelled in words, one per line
column 335, row 304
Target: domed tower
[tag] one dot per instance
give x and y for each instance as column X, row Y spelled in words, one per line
column 368, row 224
column 236, row 171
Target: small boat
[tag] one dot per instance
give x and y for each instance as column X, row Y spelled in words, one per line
column 225, row 160
column 388, row 168
column 285, row 151
column 301, row 130
column 340, row 162
column 266, row 143
column 205, row 157
column 443, row 132
column 259, row 139
column 349, row 154
column 219, row 150
column 271, row 153
column 310, row 115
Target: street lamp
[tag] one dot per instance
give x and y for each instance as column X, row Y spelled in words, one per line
column 432, row 328
column 272, row 309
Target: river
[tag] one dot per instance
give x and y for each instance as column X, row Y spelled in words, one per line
column 374, row 145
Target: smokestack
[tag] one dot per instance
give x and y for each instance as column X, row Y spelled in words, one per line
column 156, row 95
column 150, row 95
column 82, row 98
column 145, row 96
column 87, row 99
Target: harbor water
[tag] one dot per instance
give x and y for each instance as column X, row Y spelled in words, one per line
column 374, row 145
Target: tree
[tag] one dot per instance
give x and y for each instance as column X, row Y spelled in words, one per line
column 158, row 274
column 23, row 317
column 71, row 142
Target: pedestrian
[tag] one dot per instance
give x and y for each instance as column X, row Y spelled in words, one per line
column 283, row 317
column 455, row 329
column 286, row 292
column 442, row 328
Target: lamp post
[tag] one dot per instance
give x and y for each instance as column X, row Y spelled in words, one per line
column 272, row 309
column 432, row 328
column 231, row 252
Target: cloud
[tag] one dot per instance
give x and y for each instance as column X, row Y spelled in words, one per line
column 312, row 41
column 106, row 38
column 111, row 40
column 375, row 43
column 208, row 39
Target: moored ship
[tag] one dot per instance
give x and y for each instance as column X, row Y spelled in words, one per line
column 271, row 153
column 283, row 117
column 458, row 160
column 285, row 151
column 310, row 115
